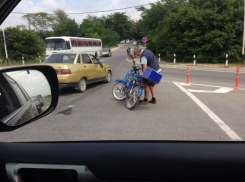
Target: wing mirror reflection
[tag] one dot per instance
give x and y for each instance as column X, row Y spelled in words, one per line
column 24, row 94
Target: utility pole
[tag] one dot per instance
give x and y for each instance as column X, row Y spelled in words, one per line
column 5, row 46
column 243, row 36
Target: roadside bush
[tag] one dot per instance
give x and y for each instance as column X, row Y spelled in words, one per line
column 195, row 27
column 24, row 43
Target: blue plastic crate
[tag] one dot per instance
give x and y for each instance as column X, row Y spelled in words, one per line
column 152, row 75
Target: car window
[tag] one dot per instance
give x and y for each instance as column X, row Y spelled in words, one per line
column 12, row 96
column 86, row 59
column 94, row 59
column 8, row 102
column 61, row 58
column 194, row 46
column 19, row 91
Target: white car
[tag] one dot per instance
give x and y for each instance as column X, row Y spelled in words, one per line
column 106, row 52
column 124, row 41
column 135, row 43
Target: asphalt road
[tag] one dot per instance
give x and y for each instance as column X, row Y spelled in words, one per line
column 207, row 109
column 46, row 104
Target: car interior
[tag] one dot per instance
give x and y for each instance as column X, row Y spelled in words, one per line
column 112, row 161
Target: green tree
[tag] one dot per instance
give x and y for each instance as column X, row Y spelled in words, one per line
column 60, row 16
column 24, row 43
column 133, row 31
column 40, row 22
column 91, row 26
column 193, row 27
column 110, row 37
column 149, row 23
column 94, row 27
column 205, row 29
column 66, row 28
column 47, row 33
column 120, row 23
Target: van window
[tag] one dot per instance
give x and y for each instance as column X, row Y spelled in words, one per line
column 68, row 46
column 55, row 44
column 73, row 42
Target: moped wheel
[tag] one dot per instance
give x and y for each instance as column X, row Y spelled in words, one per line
column 133, row 98
column 117, row 91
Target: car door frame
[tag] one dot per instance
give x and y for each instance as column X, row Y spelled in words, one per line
column 100, row 70
column 89, row 69
column 133, row 160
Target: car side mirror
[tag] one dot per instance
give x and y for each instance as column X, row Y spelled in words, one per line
column 27, row 93
column 101, row 64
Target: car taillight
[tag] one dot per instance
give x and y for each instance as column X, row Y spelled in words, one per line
column 63, row 71
column 58, row 71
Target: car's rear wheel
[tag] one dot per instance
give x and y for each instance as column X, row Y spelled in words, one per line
column 82, row 85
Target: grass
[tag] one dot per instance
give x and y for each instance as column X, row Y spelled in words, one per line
column 211, row 65
column 110, row 47
column 19, row 63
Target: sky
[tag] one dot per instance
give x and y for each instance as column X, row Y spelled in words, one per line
column 74, row 6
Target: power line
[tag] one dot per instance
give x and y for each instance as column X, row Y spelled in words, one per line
column 98, row 11
column 111, row 9
column 103, row 5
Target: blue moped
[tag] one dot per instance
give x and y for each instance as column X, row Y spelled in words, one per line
column 130, row 88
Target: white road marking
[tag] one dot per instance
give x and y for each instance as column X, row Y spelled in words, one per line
column 241, row 72
column 184, row 84
column 213, row 116
column 221, row 90
column 129, row 60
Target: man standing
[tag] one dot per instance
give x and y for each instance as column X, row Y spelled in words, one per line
column 147, row 58
column 128, row 52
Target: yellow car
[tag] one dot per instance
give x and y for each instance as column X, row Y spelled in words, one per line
column 79, row 69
